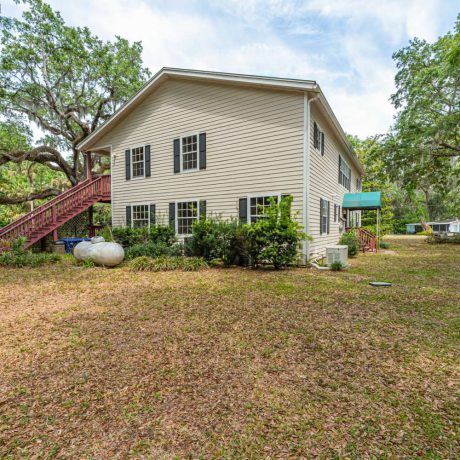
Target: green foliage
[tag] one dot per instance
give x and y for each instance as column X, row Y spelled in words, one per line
column 350, row 239
column 167, row 264
column 443, row 239
column 421, row 152
column 19, row 257
column 337, row 266
column 214, row 239
column 274, row 238
column 127, row 236
column 65, row 80
column 154, row 249
column 384, row 245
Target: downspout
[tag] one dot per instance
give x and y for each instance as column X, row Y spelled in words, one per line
column 306, row 171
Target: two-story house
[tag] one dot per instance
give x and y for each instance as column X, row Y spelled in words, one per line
column 194, row 142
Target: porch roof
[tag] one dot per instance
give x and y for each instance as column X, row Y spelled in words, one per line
column 362, row 201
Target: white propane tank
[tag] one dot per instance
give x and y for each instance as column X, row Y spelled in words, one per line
column 80, row 250
column 108, row 254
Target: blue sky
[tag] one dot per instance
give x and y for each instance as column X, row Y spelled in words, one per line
column 345, row 45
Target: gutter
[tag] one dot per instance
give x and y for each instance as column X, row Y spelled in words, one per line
column 306, row 169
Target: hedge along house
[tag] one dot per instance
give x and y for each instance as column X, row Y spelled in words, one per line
column 193, row 143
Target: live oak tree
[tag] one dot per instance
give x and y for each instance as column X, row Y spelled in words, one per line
column 423, row 148
column 66, row 81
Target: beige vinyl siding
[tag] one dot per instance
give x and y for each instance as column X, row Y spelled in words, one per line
column 254, row 143
column 324, row 183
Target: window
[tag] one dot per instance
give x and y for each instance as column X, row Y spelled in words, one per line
column 137, row 162
column 324, row 216
column 337, row 212
column 189, row 152
column 344, row 174
column 358, row 184
column 318, row 138
column 140, row 216
column 257, row 205
column 187, row 215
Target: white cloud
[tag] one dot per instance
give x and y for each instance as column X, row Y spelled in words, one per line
column 345, row 45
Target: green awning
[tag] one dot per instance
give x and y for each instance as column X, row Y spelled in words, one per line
column 362, row 200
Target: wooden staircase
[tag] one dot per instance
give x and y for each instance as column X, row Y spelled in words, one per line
column 49, row 216
column 367, row 240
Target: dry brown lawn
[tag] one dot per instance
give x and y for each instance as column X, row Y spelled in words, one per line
column 234, row 363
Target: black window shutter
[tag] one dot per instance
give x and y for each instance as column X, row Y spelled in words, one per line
column 320, row 216
column 202, row 208
column 152, row 214
column 128, row 216
column 147, row 160
column 243, row 210
column 340, row 165
column 172, row 215
column 322, row 143
column 176, row 155
column 328, row 215
column 202, row 144
column 128, row 164
column 315, row 135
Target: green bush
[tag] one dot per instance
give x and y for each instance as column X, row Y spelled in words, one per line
column 152, row 249
column 337, row 266
column 384, row 245
column 214, row 239
column 442, row 239
column 127, row 236
column 20, row 257
column 167, row 264
column 350, row 239
column 274, row 238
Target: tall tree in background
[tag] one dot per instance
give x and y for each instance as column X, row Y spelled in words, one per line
column 66, row 81
column 423, row 150
column 375, row 179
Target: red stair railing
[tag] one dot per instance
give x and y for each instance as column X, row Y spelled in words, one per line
column 45, row 218
column 367, row 240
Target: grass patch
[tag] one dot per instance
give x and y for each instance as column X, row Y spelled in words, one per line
column 147, row 264
column 234, row 363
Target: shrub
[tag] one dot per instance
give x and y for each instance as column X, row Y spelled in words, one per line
column 167, row 263
column 440, row 239
column 274, row 238
column 214, row 239
column 350, row 239
column 337, row 266
column 384, row 245
column 127, row 236
column 19, row 257
column 152, row 249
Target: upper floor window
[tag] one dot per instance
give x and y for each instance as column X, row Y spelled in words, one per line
column 318, row 138
column 344, row 173
column 257, row 206
column 189, row 152
column 358, row 184
column 137, row 162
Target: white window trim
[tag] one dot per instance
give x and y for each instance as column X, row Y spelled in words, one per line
column 148, row 212
column 197, row 134
column 351, row 173
column 176, row 220
column 320, row 129
column 131, row 162
column 328, row 217
column 259, row 195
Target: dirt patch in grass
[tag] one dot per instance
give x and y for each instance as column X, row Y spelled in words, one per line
column 234, row 363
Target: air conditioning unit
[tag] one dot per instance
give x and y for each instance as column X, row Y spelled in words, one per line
column 337, row 253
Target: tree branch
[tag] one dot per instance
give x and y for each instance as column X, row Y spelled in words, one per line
column 31, row 196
